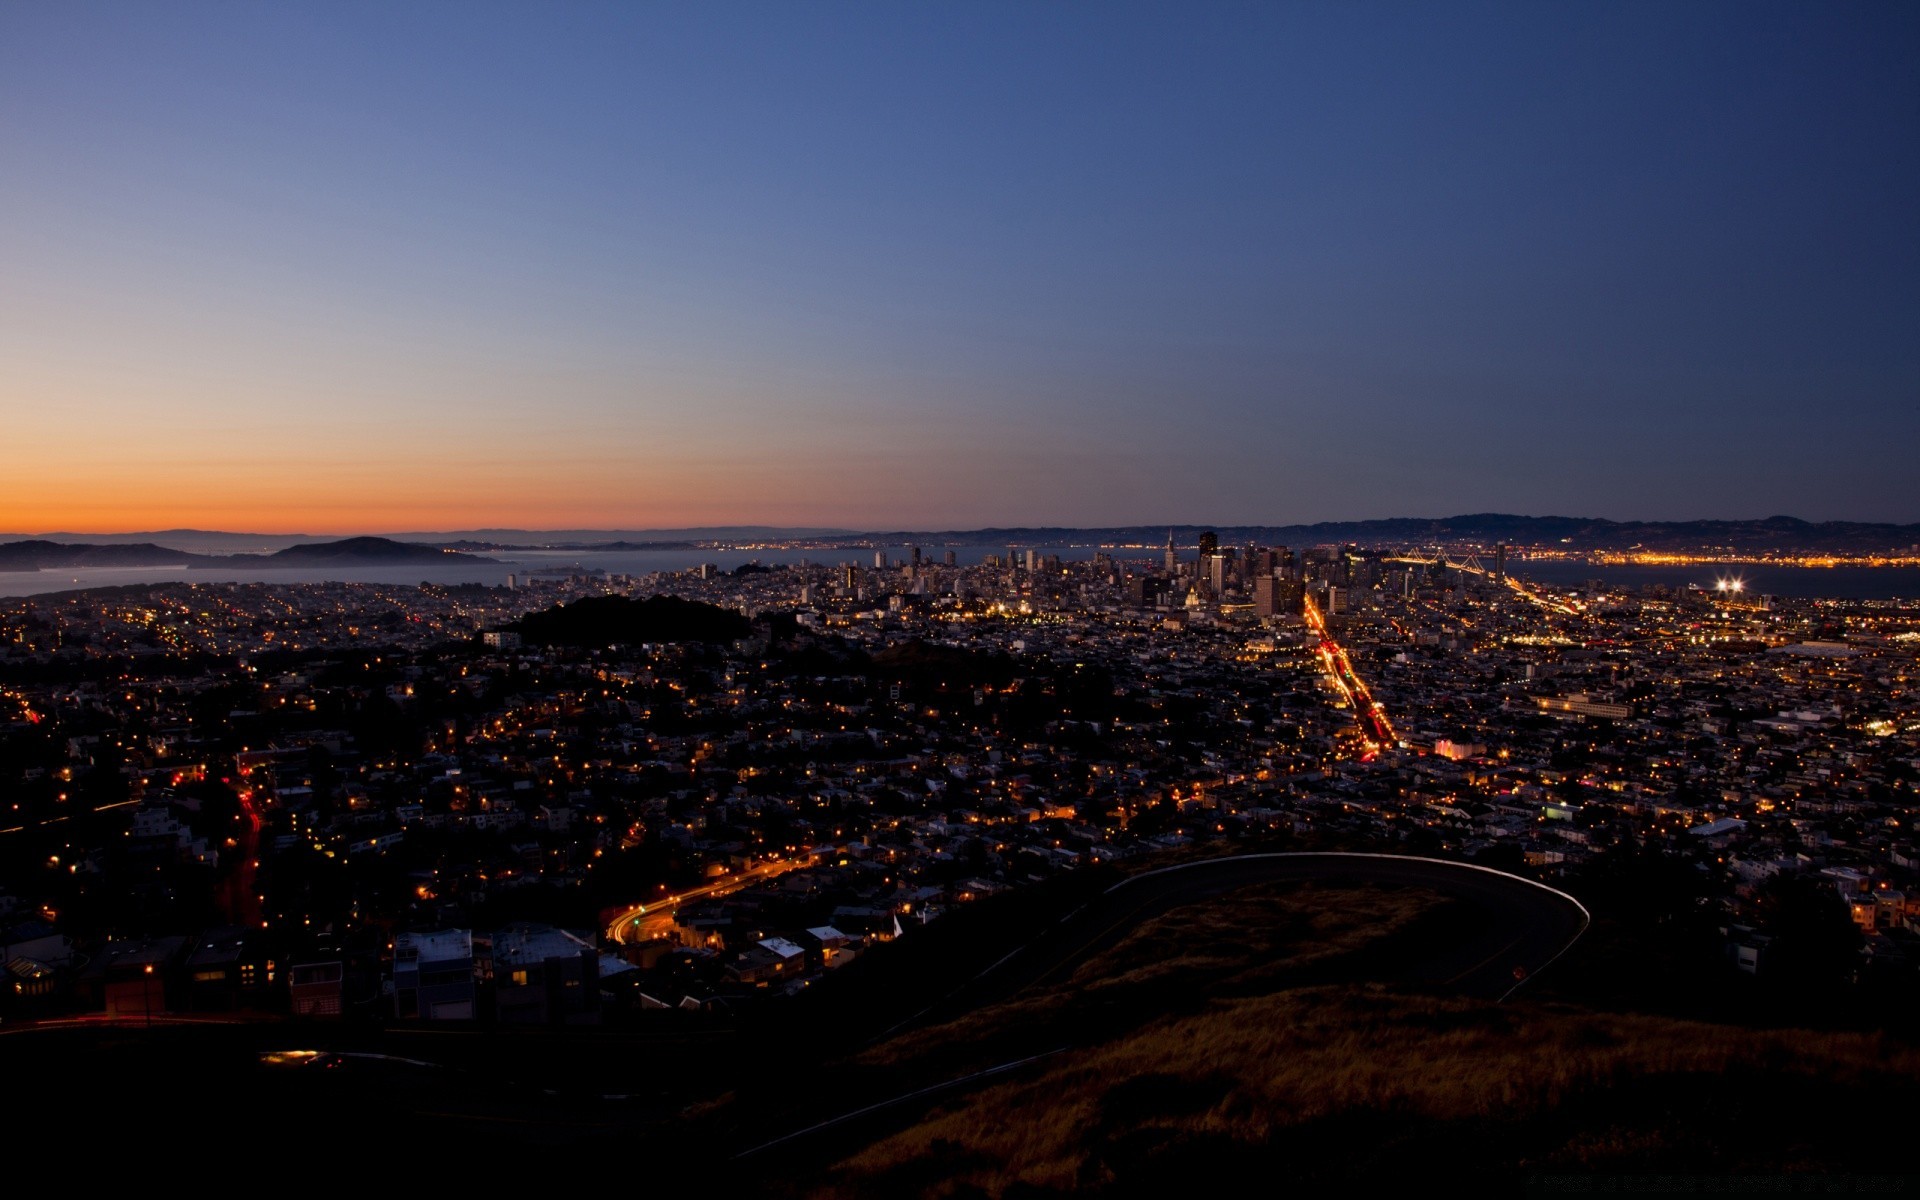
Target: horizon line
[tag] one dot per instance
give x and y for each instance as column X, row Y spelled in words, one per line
column 716, row 531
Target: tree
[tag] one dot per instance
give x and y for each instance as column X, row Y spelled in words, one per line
column 1816, row 945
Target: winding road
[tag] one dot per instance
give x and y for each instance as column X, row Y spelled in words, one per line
column 1524, row 926
column 1519, row 928
column 644, row 922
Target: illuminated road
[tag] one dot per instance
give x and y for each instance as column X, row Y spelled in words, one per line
column 240, row 895
column 1367, row 711
column 655, row 919
column 1515, row 585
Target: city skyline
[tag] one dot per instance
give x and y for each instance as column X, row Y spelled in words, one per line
column 360, row 270
column 973, row 598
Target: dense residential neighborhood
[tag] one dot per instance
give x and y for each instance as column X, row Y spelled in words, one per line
column 587, row 798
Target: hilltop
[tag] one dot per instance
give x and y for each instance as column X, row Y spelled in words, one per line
column 1777, row 533
column 1250, row 1036
column 611, row 620
column 43, row 555
column 373, row 550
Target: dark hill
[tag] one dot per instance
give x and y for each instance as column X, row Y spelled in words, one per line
column 43, row 555
column 39, row 554
column 925, row 663
column 360, row 550
column 1776, row 533
column 616, row 620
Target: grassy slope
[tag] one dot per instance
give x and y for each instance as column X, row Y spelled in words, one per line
column 1211, row 1052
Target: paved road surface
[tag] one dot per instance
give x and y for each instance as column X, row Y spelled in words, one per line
column 655, row 919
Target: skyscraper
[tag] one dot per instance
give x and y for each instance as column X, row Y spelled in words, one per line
column 1207, row 569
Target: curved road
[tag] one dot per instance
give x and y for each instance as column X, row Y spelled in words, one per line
column 1519, row 928
column 1524, row 926
column 644, row 922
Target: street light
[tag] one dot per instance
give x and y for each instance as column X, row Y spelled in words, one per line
column 146, row 996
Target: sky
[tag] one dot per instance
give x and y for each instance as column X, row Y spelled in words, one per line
column 365, row 267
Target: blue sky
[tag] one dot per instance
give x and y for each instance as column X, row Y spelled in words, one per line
column 394, row 266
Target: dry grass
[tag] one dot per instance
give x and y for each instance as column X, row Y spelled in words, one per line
column 1252, row 940
column 1248, row 1071
column 1222, row 1062
column 1257, row 934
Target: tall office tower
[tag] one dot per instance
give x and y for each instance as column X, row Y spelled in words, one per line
column 1217, row 574
column 1290, row 596
column 1033, row 561
column 879, row 560
column 849, row 576
column 1316, row 563
column 1500, row 562
column 1173, row 556
column 1209, row 546
column 1266, row 595
column 916, row 556
column 951, row 559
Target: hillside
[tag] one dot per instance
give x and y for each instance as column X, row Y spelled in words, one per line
column 618, row 620
column 1778, row 533
column 1235, row 1039
column 40, row 554
column 367, row 550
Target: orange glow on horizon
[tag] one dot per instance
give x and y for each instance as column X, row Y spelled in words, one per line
column 309, row 498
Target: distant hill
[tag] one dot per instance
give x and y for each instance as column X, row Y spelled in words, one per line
column 40, row 555
column 1779, row 533
column 52, row 556
column 612, row 620
column 368, row 550
column 570, row 538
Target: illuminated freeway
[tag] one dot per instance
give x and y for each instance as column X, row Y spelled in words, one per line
column 1518, row 587
column 1367, row 711
column 655, row 918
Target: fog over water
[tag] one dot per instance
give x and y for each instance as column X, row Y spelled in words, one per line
column 1863, row 583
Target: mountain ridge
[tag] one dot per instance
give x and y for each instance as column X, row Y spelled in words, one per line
column 1779, row 533
column 37, row 554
